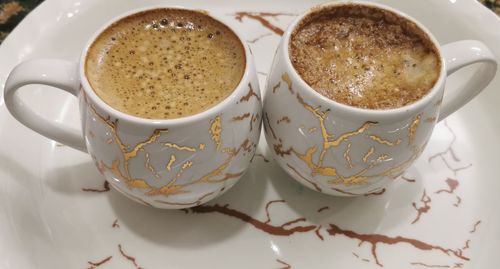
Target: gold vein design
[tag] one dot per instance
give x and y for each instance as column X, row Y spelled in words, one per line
column 150, row 167
column 362, row 177
column 368, row 153
column 227, row 176
column 307, row 158
column 413, row 128
column 330, row 141
column 347, row 157
column 187, row 165
column 178, row 147
column 382, row 157
column 357, row 179
column 127, row 153
column 195, row 203
column 130, row 182
column 285, row 77
column 215, row 131
column 170, row 162
column 208, row 178
column 395, row 171
column 172, row 187
column 385, row 141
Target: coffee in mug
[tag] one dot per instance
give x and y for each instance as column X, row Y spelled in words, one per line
column 165, row 63
column 364, row 57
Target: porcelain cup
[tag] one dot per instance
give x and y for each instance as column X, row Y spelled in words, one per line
column 169, row 163
column 342, row 150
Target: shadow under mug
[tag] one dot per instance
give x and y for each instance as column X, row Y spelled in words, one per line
column 170, row 163
column 342, row 150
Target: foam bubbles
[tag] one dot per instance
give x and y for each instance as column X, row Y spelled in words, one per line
column 364, row 57
column 165, row 63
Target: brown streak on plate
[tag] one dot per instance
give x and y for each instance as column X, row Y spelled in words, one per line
column 429, row 265
column 334, row 230
column 287, row 266
column 252, row 41
column 267, row 208
column 293, row 222
column 449, row 150
column 261, row 18
column 94, row 265
column 407, row 179
column 128, row 257
column 318, row 234
column 426, row 200
column 268, row 228
column 323, row 208
column 474, row 229
column 375, row 192
column 104, row 189
column 459, row 201
column 452, row 186
column 375, row 239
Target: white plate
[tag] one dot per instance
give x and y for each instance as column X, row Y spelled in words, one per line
column 48, row 221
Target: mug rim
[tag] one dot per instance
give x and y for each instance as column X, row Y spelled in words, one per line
column 368, row 114
column 208, row 113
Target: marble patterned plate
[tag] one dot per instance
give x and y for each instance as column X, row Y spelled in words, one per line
column 57, row 212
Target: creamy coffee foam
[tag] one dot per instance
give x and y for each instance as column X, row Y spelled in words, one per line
column 165, row 63
column 364, row 57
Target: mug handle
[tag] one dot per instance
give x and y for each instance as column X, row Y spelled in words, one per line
column 460, row 54
column 57, row 73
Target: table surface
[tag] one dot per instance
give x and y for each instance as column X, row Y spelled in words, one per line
column 13, row 11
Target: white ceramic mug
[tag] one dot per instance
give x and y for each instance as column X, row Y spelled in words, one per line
column 347, row 151
column 171, row 163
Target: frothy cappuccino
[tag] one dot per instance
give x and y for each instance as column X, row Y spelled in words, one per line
column 165, row 63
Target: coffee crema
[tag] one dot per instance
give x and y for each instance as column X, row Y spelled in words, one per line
column 364, row 56
column 165, row 63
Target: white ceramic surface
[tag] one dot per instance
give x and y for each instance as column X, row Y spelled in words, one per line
column 341, row 150
column 442, row 213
